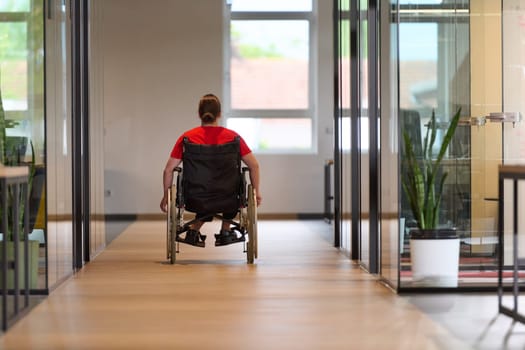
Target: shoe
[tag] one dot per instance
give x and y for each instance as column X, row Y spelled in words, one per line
column 193, row 237
column 226, row 237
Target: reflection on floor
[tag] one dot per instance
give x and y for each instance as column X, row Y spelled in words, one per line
column 114, row 228
column 302, row 293
column 474, row 319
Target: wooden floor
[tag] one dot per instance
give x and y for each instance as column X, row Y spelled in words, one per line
column 301, row 294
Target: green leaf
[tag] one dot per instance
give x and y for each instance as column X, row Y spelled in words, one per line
column 420, row 175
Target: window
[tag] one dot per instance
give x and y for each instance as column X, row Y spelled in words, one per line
column 22, row 74
column 269, row 86
column 14, row 6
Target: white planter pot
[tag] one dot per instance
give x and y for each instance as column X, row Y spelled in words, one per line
column 435, row 262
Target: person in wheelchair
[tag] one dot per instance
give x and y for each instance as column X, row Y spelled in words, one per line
column 210, row 133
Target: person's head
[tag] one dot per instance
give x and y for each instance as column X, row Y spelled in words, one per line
column 209, row 109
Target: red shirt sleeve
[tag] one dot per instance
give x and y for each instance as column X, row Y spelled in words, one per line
column 176, row 152
column 244, row 147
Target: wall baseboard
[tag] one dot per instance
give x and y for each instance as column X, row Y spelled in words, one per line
column 260, row 216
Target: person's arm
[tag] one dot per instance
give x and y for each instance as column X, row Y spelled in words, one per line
column 252, row 164
column 167, row 181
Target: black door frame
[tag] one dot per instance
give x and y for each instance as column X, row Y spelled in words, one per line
column 80, row 131
column 373, row 115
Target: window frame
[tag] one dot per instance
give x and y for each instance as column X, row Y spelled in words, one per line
column 293, row 113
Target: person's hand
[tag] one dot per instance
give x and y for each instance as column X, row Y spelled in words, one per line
column 164, row 204
column 258, row 198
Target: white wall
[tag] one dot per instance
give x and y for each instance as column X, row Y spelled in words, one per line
column 160, row 56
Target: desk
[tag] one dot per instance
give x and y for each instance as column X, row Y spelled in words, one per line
column 13, row 190
column 514, row 173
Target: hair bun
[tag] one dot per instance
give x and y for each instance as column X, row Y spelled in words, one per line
column 208, row 117
column 209, row 108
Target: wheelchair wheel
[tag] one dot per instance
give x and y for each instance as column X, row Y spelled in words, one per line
column 172, row 244
column 252, row 225
column 173, row 249
column 168, row 227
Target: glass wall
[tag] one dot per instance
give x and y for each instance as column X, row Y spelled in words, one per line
column 469, row 56
column 355, row 154
column 441, row 58
column 97, row 233
column 364, row 139
column 59, row 149
column 513, row 54
column 391, row 246
column 344, row 126
column 434, row 79
column 59, row 132
column 22, row 117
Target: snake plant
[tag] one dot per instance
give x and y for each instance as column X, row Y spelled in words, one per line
column 423, row 180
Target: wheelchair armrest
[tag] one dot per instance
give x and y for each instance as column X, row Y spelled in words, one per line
column 179, row 200
column 245, row 170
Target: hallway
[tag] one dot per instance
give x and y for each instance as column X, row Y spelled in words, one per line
column 301, row 294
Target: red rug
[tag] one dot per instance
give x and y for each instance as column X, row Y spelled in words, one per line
column 477, row 274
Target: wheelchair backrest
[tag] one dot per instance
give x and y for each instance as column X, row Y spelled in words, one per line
column 211, row 177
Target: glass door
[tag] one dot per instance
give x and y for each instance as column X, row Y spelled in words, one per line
column 368, row 146
column 435, row 71
column 22, row 116
column 344, row 127
column 392, row 244
column 58, row 150
column 513, row 27
column 467, row 54
column 364, row 137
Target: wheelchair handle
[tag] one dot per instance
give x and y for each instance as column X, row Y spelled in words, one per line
column 178, row 169
column 245, row 169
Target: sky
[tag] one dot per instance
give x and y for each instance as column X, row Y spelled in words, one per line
column 414, row 43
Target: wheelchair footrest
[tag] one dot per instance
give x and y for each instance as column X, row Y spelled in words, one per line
column 227, row 237
column 192, row 237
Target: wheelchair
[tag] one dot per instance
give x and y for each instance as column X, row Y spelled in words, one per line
column 212, row 181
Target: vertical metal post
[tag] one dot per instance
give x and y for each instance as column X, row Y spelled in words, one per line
column 15, row 212
column 76, row 125
column 80, row 131
column 337, row 118
column 5, row 228
column 49, row 9
column 515, row 285
column 501, row 204
column 328, row 192
column 85, row 131
column 25, row 196
column 373, row 116
column 354, row 125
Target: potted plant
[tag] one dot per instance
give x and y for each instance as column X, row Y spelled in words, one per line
column 12, row 151
column 434, row 250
